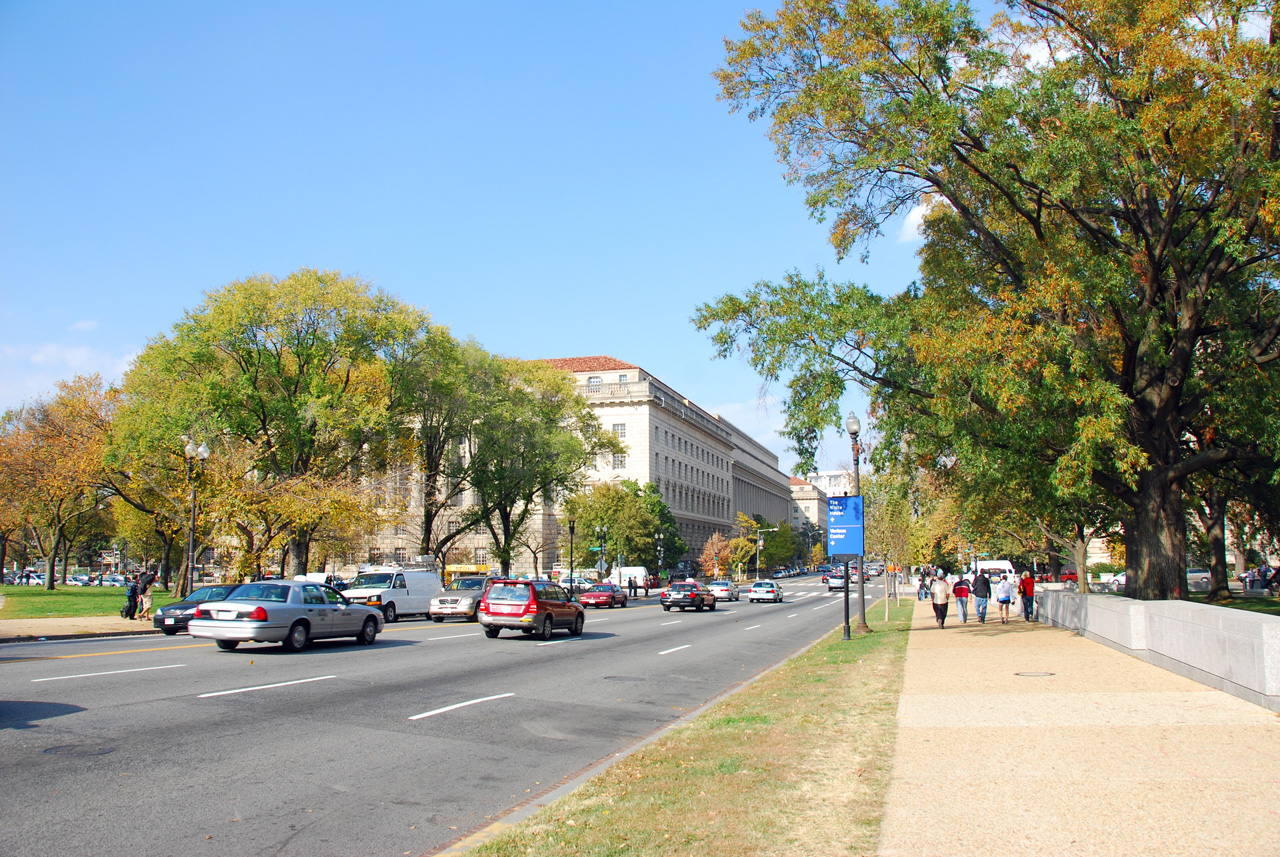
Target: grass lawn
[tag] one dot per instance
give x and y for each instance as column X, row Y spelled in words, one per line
column 1270, row 606
column 35, row 602
column 796, row 763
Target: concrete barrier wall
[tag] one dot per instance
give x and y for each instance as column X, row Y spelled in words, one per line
column 1232, row 650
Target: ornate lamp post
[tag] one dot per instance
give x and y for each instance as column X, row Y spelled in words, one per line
column 657, row 537
column 854, row 426
column 573, row 575
column 602, row 532
column 193, row 453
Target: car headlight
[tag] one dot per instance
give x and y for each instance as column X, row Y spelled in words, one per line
column 467, row 602
column 186, row 612
column 374, row 599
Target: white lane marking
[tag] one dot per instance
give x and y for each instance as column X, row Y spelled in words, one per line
column 828, row 604
column 728, row 612
column 558, row 642
column 793, row 615
column 752, row 628
column 676, row 649
column 264, row 686
column 677, row 622
column 109, row 672
column 452, row 637
column 597, row 620
column 460, row 705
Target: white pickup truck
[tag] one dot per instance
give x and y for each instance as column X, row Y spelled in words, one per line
column 396, row 593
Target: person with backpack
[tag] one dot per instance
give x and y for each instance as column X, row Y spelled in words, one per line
column 1027, row 588
column 960, row 589
column 130, row 593
column 981, row 595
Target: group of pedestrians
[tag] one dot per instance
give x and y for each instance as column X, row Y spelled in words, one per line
column 942, row 590
column 138, row 592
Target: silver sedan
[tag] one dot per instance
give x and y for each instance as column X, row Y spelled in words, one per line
column 291, row 612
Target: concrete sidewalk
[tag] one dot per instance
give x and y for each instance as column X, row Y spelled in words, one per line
column 17, row 630
column 1025, row 739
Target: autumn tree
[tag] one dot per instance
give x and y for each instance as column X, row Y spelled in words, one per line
column 1097, row 283
column 630, row 517
column 715, row 558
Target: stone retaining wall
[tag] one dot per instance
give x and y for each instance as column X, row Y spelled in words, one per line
column 1232, row 650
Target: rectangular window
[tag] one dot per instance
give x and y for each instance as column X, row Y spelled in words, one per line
column 622, row 379
column 619, row 429
column 594, row 383
column 482, row 556
column 402, row 555
column 619, row 461
column 401, row 530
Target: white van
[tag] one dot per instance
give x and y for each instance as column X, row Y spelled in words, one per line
column 622, row 574
column 996, row 568
column 394, row 591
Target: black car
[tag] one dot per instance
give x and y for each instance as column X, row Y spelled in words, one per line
column 688, row 594
column 174, row 617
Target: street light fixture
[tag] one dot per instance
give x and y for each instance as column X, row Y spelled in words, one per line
column 760, row 544
column 854, row 426
column 573, row 575
column 657, row 537
column 602, row 532
column 193, row 454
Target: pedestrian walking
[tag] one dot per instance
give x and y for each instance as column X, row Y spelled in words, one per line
column 960, row 589
column 922, row 591
column 941, row 592
column 146, row 582
column 981, row 595
column 1026, row 588
column 1004, row 597
column 131, row 597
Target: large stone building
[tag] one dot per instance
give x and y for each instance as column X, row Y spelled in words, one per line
column 808, row 505
column 707, row 469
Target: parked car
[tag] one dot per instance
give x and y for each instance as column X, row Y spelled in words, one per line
column 1116, row 583
column 764, row 590
column 835, row 581
column 604, row 595
column 529, row 606
column 1199, row 577
column 395, row 592
column 577, row 584
column 290, row 612
column 174, row 617
column 686, row 594
column 725, row 590
column 460, row 598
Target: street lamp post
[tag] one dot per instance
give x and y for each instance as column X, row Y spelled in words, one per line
column 602, row 532
column 854, row 426
column 193, row 453
column 760, row 544
column 573, row 575
column 657, row 537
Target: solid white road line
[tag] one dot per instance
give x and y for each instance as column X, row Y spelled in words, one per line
column 597, row 620
column 677, row 622
column 264, row 686
column 752, row 628
column 460, row 705
column 109, row 672
column 676, row 649
column 452, row 637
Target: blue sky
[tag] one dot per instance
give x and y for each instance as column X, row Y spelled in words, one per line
column 553, row 179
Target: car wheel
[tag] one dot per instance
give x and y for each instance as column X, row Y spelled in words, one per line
column 227, row 645
column 666, row 608
column 389, row 613
column 474, row 617
column 437, row 618
column 713, row 604
column 576, row 630
column 297, row 638
column 697, row 608
column 547, row 627
column 490, row 631
column 369, row 632
column 169, row 632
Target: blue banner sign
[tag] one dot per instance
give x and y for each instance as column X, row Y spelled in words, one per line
column 844, row 526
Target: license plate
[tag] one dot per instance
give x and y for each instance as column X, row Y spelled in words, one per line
column 168, row 621
column 225, row 614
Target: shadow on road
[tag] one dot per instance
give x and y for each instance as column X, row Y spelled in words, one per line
column 23, row 715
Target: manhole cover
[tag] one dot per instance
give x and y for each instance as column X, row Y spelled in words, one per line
column 79, row 750
column 622, row 678
column 1034, row 675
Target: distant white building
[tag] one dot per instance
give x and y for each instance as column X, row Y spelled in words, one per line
column 833, row 483
column 808, row 504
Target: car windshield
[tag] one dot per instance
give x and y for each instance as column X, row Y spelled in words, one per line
column 371, row 581
column 472, row 583
column 259, row 592
column 210, row 593
column 762, row 585
column 601, row 588
column 509, row 592
column 684, row 587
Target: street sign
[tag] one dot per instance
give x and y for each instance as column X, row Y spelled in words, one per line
column 844, row 526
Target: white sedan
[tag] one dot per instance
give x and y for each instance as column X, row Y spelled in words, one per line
column 765, row 590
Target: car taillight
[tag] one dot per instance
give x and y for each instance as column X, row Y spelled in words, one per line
column 258, row 614
column 199, row 614
column 484, row 605
column 531, row 606
column 662, row 594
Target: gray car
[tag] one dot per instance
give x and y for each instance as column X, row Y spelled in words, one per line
column 291, row 612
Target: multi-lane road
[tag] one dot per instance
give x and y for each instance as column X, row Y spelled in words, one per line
column 169, row 746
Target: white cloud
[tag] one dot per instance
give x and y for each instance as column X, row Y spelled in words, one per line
column 910, row 232
column 29, row 370
column 83, row 326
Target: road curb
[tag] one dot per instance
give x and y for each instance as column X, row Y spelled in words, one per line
column 89, row 635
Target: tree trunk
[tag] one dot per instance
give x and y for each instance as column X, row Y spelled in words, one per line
column 4, row 552
column 166, row 557
column 299, row 551
column 1157, row 539
column 1213, row 517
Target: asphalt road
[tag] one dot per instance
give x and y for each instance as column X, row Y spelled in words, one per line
column 168, row 746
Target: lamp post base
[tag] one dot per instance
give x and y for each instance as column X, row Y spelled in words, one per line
column 862, row 628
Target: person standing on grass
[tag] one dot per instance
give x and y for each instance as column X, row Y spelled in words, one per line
column 941, row 592
column 981, row 595
column 1026, row 588
column 960, row 589
column 1004, row 596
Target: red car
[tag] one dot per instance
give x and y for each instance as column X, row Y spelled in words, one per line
column 604, row 595
column 529, row 606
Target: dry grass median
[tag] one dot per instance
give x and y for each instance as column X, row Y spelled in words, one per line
column 796, row 763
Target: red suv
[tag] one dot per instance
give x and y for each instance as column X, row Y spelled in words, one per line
column 529, row 606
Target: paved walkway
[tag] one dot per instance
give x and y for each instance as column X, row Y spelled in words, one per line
column 95, row 626
column 1025, row 739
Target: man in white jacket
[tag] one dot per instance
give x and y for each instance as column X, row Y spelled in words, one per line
column 941, row 592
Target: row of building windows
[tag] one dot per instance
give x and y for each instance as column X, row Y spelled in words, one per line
column 688, row 447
